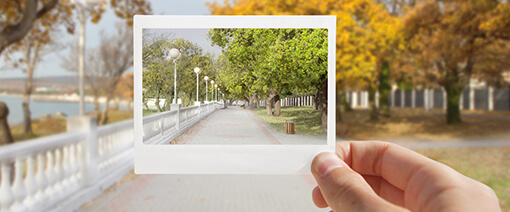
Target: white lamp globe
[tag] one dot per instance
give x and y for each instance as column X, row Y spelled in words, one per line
column 197, row 70
column 174, row 53
column 206, row 78
column 212, row 82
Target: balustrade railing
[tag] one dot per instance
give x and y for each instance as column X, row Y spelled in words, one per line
column 61, row 172
column 163, row 127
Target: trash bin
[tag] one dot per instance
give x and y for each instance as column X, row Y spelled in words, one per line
column 289, row 127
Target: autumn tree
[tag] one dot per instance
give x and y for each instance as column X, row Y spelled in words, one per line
column 26, row 53
column 366, row 33
column 116, row 51
column 125, row 89
column 455, row 41
column 94, row 73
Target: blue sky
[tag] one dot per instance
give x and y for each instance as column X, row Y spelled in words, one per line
column 50, row 65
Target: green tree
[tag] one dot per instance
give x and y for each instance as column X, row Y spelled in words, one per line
column 265, row 62
column 158, row 68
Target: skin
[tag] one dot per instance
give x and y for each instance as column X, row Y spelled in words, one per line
column 379, row 176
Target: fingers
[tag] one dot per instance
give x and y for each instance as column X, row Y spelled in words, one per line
column 318, row 199
column 393, row 163
column 386, row 190
column 342, row 188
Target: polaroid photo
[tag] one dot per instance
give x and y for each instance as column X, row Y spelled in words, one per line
column 233, row 94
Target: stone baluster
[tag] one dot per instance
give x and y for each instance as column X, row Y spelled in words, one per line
column 6, row 195
column 42, row 182
column 50, row 174
column 31, row 202
column 66, row 182
column 18, row 186
column 73, row 165
column 79, row 163
column 59, row 175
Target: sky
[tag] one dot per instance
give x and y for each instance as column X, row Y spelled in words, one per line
column 197, row 36
column 50, row 64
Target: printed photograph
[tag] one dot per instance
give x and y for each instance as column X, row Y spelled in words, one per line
column 235, row 86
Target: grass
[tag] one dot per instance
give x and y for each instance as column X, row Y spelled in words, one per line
column 487, row 165
column 149, row 112
column 56, row 125
column 306, row 118
column 416, row 124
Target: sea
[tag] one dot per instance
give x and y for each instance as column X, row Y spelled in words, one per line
column 43, row 107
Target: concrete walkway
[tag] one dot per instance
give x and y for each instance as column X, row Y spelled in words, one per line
column 235, row 125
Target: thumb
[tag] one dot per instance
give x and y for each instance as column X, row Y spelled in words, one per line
column 343, row 189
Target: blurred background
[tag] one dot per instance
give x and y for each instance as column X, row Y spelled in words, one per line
column 429, row 75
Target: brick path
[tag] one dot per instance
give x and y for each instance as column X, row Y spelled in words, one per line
column 235, row 125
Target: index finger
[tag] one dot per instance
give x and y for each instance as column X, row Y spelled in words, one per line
column 394, row 163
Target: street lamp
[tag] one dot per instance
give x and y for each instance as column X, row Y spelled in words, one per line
column 197, row 70
column 84, row 5
column 216, row 86
column 212, row 90
column 206, row 78
column 175, row 55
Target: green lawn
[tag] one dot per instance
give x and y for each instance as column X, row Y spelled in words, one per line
column 487, row 165
column 306, row 118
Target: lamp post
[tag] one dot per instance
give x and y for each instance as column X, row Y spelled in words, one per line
column 197, row 71
column 206, row 78
column 216, row 86
column 212, row 90
column 175, row 55
column 85, row 5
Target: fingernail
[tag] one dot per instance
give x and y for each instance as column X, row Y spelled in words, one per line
column 327, row 162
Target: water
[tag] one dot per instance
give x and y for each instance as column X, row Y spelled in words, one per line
column 37, row 108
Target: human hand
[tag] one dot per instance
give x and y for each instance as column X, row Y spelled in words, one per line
column 379, row 176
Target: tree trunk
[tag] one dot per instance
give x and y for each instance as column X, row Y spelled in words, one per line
column 453, row 93
column 27, row 123
column 374, row 115
column 384, row 89
column 117, row 102
column 339, row 105
column 156, row 102
column 5, row 131
column 97, row 110
column 253, row 102
column 277, row 106
column 104, row 116
column 269, row 109
column 345, row 106
column 322, row 105
column 270, row 100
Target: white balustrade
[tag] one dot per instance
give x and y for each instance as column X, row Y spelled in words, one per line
column 37, row 186
column 6, row 195
column 165, row 126
column 64, row 171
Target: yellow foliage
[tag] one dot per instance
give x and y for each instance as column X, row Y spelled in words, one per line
column 366, row 32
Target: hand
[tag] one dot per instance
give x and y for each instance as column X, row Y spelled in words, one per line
column 379, row 176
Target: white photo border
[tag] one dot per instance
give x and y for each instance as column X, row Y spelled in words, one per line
column 229, row 159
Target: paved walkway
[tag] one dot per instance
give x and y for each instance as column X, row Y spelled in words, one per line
column 235, row 125
column 229, row 192
column 207, row 193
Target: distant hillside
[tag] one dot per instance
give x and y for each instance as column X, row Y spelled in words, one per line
column 64, row 83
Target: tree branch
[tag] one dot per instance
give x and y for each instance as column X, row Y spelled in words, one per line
column 13, row 33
